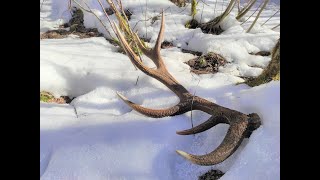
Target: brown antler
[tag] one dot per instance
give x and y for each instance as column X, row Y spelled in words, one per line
column 241, row 125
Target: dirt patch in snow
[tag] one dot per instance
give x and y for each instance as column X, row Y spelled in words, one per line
column 211, row 175
column 206, row 64
column 62, row 33
column 192, row 24
column 109, row 11
column 261, row 53
column 166, row 44
column 75, row 26
column 196, row 53
column 49, row 98
column 180, row 3
column 205, row 28
column 127, row 12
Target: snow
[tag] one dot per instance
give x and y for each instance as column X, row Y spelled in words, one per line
column 53, row 13
column 98, row 136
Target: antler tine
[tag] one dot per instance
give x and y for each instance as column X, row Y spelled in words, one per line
column 157, row 46
column 141, row 46
column 157, row 113
column 211, row 122
column 132, row 56
column 161, row 75
column 154, row 53
column 230, row 143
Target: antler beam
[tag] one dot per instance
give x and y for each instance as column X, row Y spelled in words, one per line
column 241, row 125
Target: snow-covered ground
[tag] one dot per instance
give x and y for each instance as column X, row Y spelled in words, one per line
column 97, row 136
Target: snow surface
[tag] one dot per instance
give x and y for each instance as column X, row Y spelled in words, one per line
column 97, row 136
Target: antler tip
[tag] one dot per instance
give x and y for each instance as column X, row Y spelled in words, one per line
column 184, row 154
column 121, row 96
column 182, row 132
column 178, row 132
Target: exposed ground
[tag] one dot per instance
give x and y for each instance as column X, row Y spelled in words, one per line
column 212, row 174
column 75, row 27
column 206, row 64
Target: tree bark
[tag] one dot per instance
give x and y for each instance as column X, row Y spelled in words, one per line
column 272, row 72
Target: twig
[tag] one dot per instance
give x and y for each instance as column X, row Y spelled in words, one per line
column 111, row 24
column 149, row 18
column 119, row 4
column 69, row 5
column 90, row 11
column 221, row 17
column 252, row 14
column 127, row 23
column 238, row 6
column 137, row 80
column 191, row 110
column 84, row 9
column 75, row 110
column 203, row 2
column 130, row 30
column 270, row 17
column 106, row 15
column 275, row 27
column 246, row 9
column 257, row 17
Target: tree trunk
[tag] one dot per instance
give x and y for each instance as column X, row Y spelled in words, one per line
column 272, row 72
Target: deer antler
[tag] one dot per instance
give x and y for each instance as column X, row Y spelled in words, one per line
column 241, row 125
